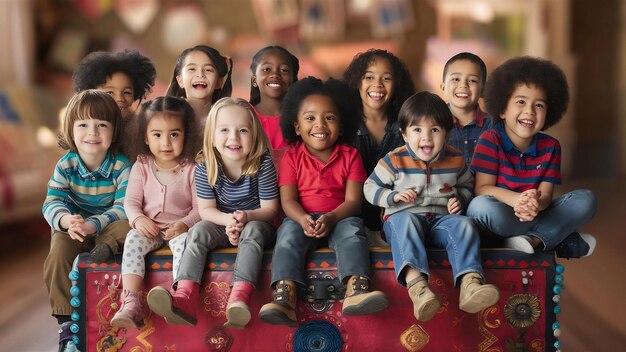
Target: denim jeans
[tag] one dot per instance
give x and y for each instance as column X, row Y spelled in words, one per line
column 563, row 216
column 408, row 232
column 347, row 239
column 205, row 236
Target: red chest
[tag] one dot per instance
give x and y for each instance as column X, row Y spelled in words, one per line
column 523, row 317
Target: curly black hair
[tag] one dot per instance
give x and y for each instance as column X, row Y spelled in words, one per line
column 425, row 104
column 403, row 86
column 171, row 106
column 294, row 64
column 223, row 64
column 529, row 71
column 98, row 66
column 343, row 97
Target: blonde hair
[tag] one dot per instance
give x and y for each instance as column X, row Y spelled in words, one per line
column 90, row 104
column 211, row 157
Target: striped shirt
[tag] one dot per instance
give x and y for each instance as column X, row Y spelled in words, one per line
column 496, row 155
column 245, row 193
column 435, row 182
column 97, row 196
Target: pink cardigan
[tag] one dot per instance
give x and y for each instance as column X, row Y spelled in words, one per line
column 146, row 196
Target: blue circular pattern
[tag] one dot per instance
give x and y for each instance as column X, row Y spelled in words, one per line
column 75, row 316
column 557, row 289
column 557, row 310
column 74, row 328
column 560, row 268
column 75, row 291
column 556, row 325
column 73, row 275
column 75, row 302
column 558, row 278
column 75, row 339
column 317, row 336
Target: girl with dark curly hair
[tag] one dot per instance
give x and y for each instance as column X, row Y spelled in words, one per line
column 383, row 83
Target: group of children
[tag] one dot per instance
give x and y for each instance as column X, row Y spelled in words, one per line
column 199, row 170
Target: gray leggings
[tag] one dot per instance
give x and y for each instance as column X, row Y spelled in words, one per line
column 137, row 246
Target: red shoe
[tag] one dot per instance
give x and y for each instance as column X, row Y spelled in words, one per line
column 237, row 311
column 179, row 307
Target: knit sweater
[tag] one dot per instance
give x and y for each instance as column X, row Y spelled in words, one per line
column 435, row 182
column 146, row 196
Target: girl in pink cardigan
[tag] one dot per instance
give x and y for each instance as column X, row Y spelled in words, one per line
column 160, row 198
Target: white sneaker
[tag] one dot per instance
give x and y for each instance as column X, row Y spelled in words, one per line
column 519, row 243
column 591, row 241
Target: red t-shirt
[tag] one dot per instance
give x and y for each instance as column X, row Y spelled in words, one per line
column 321, row 187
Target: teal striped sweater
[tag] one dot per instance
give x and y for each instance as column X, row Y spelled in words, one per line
column 97, row 196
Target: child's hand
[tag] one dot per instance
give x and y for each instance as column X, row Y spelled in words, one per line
column 241, row 216
column 527, row 206
column 406, row 196
column 147, row 227
column 75, row 227
column 454, row 206
column 175, row 229
column 233, row 232
column 308, row 225
column 323, row 225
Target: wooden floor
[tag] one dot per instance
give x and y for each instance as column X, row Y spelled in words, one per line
column 592, row 303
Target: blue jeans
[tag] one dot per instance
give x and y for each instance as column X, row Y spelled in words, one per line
column 205, row 236
column 347, row 239
column 563, row 216
column 408, row 232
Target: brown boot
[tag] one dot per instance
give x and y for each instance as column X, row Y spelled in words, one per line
column 131, row 311
column 359, row 300
column 425, row 302
column 475, row 295
column 282, row 310
column 237, row 311
column 179, row 307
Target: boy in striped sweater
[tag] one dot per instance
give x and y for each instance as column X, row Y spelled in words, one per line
column 424, row 186
column 84, row 204
column 517, row 166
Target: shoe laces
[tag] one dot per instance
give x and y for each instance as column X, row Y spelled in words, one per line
column 282, row 293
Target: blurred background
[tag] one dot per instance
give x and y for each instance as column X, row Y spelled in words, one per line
column 43, row 40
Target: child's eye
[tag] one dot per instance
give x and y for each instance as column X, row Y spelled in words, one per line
column 103, row 125
column 285, row 70
column 388, row 78
column 244, row 130
column 520, row 102
column 191, row 69
column 435, row 129
column 266, row 69
column 156, row 135
column 540, row 105
column 309, row 117
column 174, row 135
column 209, row 69
column 330, row 117
column 81, row 125
column 368, row 77
column 224, row 130
column 474, row 81
column 128, row 92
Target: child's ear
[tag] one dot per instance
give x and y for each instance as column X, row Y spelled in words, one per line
column 297, row 128
column 179, row 79
column 253, row 81
column 442, row 85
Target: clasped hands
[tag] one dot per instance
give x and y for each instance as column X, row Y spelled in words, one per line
column 233, row 230
column 150, row 229
column 526, row 207
column 317, row 228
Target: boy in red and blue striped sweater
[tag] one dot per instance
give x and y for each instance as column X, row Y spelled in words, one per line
column 516, row 166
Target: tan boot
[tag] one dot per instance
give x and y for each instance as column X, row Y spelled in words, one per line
column 475, row 295
column 130, row 314
column 425, row 302
column 282, row 310
column 359, row 300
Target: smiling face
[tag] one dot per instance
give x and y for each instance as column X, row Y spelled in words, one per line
column 93, row 138
column 165, row 136
column 462, row 86
column 376, row 87
column 233, row 134
column 525, row 115
column 272, row 75
column 198, row 76
column 426, row 138
column 120, row 87
column 319, row 125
